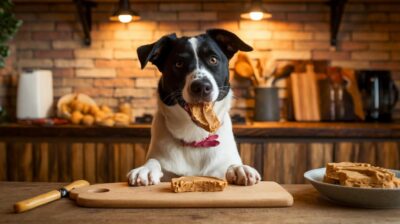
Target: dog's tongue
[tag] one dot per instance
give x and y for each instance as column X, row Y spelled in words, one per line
column 203, row 115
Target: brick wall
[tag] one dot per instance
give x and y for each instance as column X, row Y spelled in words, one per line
column 51, row 38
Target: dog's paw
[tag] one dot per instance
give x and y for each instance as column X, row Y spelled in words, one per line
column 143, row 176
column 242, row 175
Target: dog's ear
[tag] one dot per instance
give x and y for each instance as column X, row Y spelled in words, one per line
column 155, row 52
column 228, row 42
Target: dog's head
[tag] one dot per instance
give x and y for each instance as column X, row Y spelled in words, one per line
column 194, row 69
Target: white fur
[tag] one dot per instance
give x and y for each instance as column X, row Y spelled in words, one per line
column 193, row 43
column 148, row 174
column 167, row 157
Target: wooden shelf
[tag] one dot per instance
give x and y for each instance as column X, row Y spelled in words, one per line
column 256, row 131
column 323, row 130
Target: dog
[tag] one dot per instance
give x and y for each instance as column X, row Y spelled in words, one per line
column 194, row 70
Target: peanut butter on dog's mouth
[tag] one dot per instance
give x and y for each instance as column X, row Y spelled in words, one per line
column 203, row 115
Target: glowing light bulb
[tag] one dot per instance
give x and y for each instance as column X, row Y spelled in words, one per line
column 125, row 18
column 256, row 15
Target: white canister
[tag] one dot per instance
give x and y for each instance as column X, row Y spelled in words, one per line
column 35, row 94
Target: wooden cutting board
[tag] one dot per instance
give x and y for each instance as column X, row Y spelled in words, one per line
column 305, row 95
column 120, row 195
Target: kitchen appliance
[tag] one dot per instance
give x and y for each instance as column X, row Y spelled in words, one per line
column 379, row 94
column 337, row 103
column 35, row 94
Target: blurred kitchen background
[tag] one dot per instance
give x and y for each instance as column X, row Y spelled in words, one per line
column 320, row 85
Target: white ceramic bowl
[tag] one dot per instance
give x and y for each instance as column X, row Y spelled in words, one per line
column 352, row 196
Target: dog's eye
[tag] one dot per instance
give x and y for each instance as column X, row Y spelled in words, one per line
column 213, row 60
column 179, row 64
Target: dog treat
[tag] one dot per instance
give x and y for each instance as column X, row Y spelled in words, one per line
column 396, row 182
column 360, row 175
column 197, row 184
column 332, row 168
column 329, row 180
column 204, row 116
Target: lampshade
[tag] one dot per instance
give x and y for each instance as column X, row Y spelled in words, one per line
column 255, row 12
column 124, row 13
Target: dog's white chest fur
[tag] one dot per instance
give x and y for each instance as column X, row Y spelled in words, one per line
column 172, row 124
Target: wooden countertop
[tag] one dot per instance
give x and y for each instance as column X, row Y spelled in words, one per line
column 308, row 207
column 266, row 130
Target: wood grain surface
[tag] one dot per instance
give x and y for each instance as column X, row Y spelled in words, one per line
column 282, row 162
column 120, row 195
column 308, row 207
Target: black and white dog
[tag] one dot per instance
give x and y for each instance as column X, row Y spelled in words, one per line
column 194, row 70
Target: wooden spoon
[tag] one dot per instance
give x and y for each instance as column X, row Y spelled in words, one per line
column 246, row 69
column 269, row 66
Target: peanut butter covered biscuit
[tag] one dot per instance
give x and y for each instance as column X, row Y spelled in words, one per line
column 197, row 184
column 204, row 116
column 360, row 175
column 332, row 169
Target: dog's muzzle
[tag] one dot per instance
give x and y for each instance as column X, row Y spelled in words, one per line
column 201, row 89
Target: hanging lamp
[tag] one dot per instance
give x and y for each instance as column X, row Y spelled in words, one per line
column 255, row 12
column 124, row 13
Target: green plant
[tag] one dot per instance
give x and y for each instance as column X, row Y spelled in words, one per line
column 8, row 27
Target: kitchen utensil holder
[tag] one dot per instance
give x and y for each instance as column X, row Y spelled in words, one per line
column 266, row 104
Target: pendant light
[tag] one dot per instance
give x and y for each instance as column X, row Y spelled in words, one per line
column 255, row 12
column 124, row 13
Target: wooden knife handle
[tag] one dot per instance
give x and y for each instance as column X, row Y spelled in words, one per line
column 50, row 196
column 76, row 184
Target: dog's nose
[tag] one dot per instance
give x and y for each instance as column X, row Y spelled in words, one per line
column 201, row 88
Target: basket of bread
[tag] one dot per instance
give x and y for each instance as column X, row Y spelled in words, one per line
column 81, row 109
